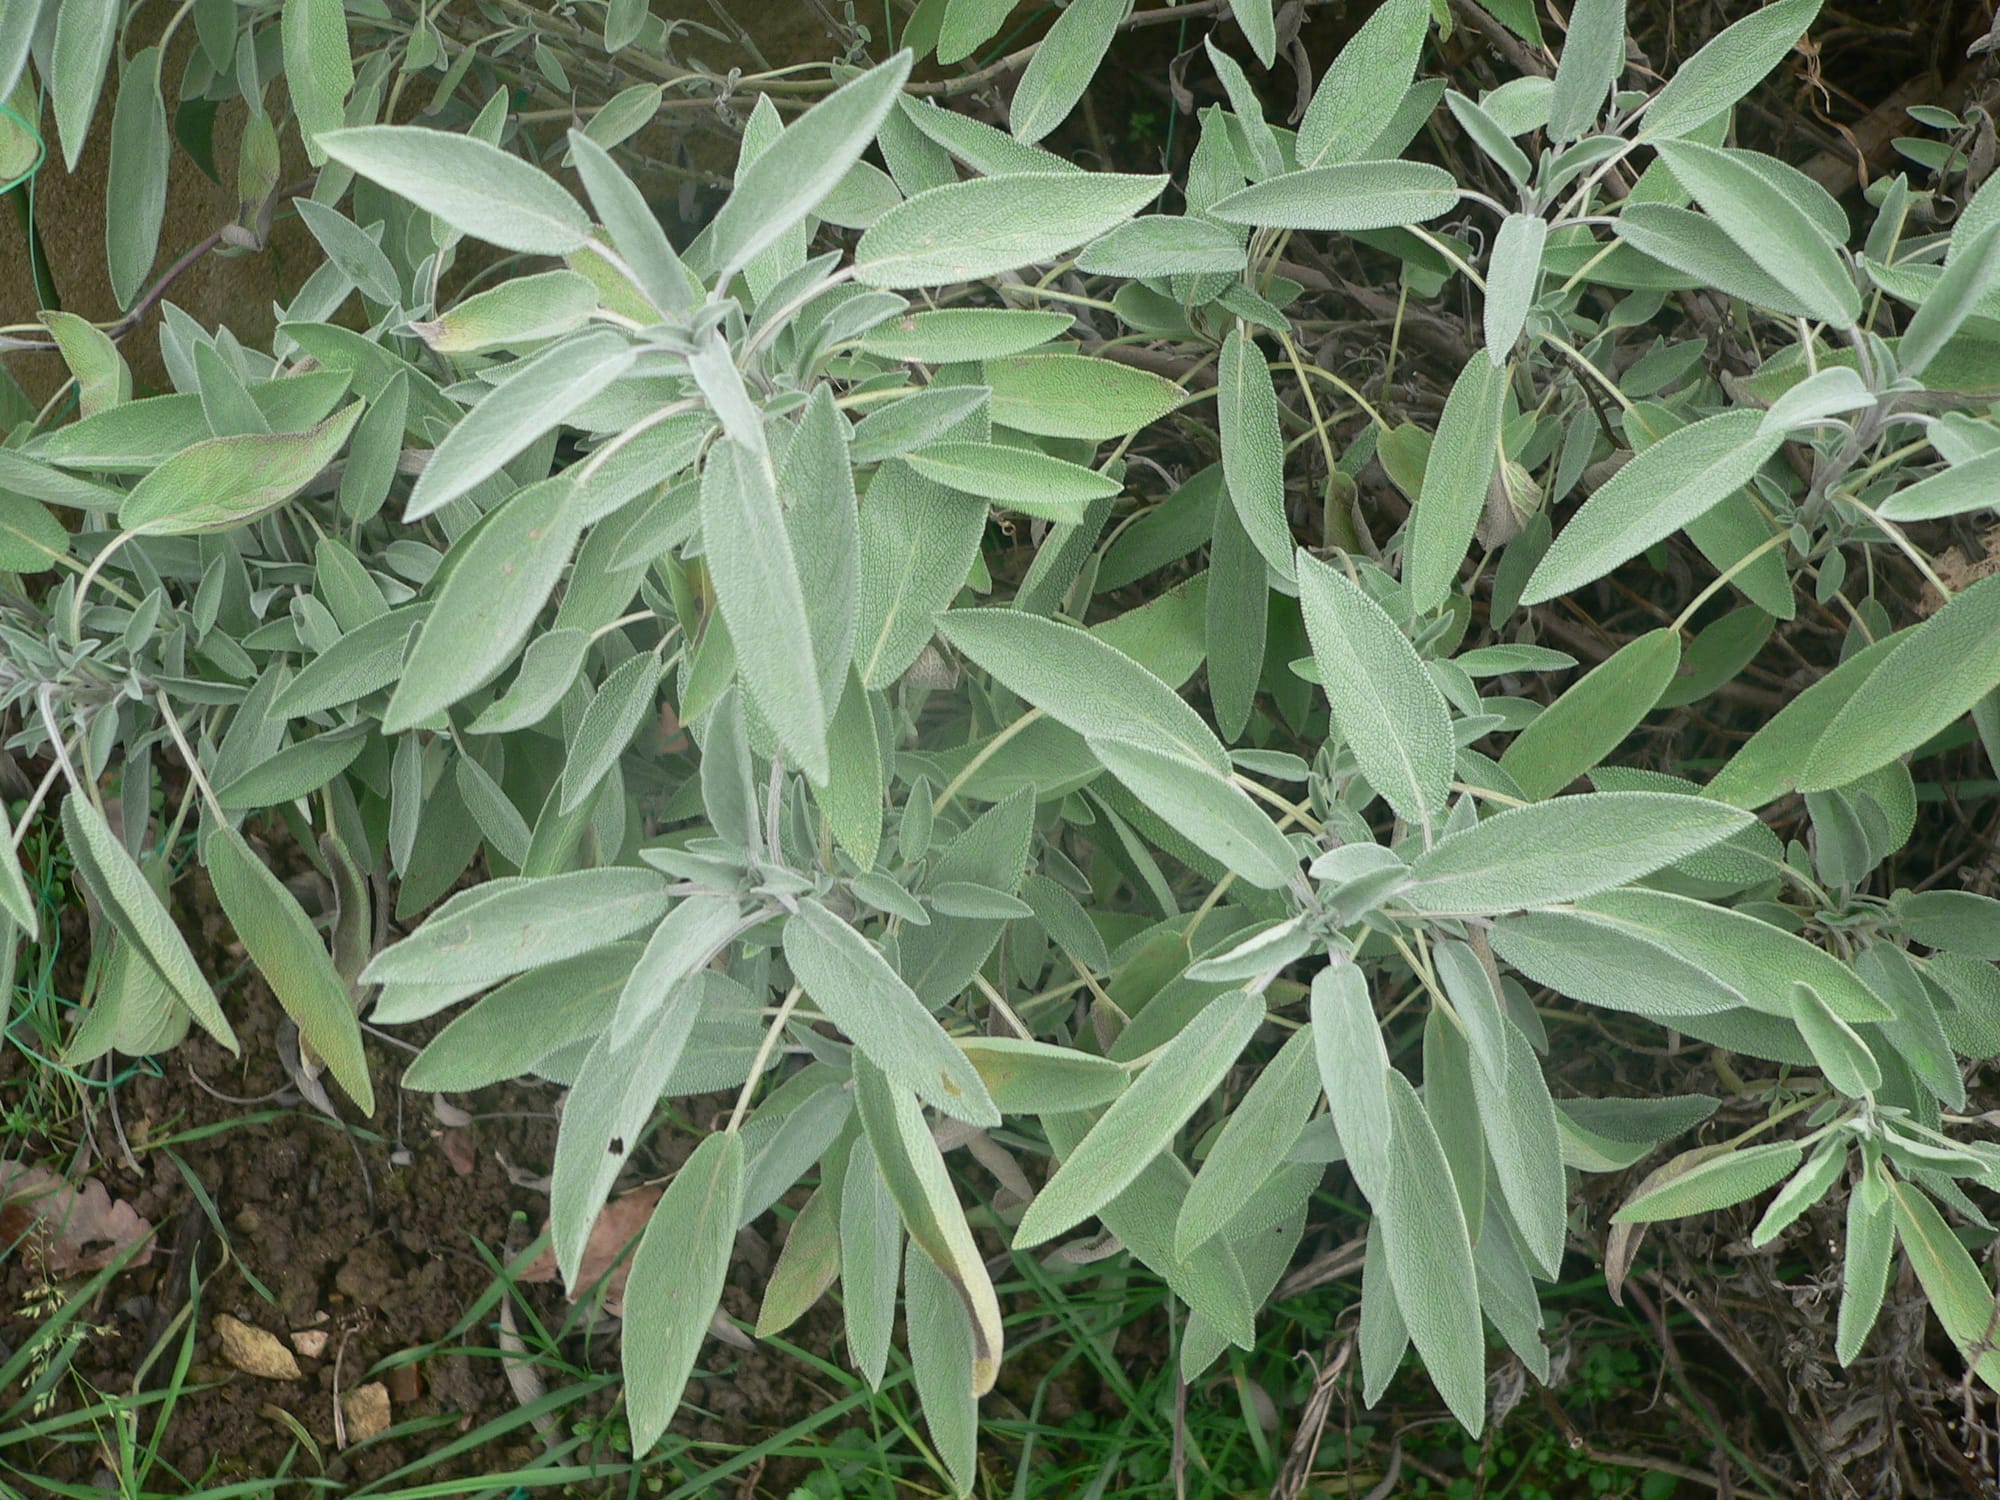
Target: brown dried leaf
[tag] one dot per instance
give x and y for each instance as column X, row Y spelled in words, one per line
column 253, row 1351
column 72, row 1229
column 618, row 1224
column 459, row 1151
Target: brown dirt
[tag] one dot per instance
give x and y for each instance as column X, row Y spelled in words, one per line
column 365, row 1231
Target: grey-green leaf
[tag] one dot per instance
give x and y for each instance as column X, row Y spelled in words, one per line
column 1360, row 93
column 1210, row 810
column 1513, row 275
column 676, row 1282
column 488, row 605
column 1390, row 713
column 536, row 395
column 1429, row 1254
column 1081, row 681
column 1838, row 1049
column 476, row 188
column 870, row 1260
column 1936, row 673
column 963, row 231
column 1593, row 58
column 1564, row 850
column 1732, row 63
column 1713, row 1183
column 1356, row 195
column 498, row 929
column 1665, row 486
column 1772, row 229
column 1142, row 1122
column 136, row 183
column 1063, row 66
column 763, row 601
column 802, row 166
column 1463, row 456
column 1253, row 1141
column 852, row 983
column 1864, row 1270
column 1253, row 449
column 134, row 908
column 608, row 725
column 943, row 1357
column 79, row 54
column 282, row 942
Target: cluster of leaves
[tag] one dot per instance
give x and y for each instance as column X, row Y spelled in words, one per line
column 926, row 854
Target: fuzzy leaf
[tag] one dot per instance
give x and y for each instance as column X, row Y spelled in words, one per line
column 1389, row 712
column 676, row 1282
column 852, row 983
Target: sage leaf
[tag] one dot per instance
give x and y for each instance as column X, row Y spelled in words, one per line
column 1081, row 682
column 1359, row 95
column 1665, row 486
column 944, row 1359
column 1728, row 66
column 871, row 1258
column 617, row 1092
column 1428, row 1250
column 1864, row 1269
column 1348, row 198
column 136, row 181
column 228, row 481
column 1259, row 1133
column 488, row 604
column 1019, row 478
column 16, row 904
column 1935, row 674
column 852, row 983
column 1564, row 850
column 758, row 586
column 1389, row 712
column 282, row 942
column 963, row 231
column 476, row 188
column 964, row 333
column 1513, row 276
column 1593, row 60
column 1253, row 450
column 1463, row 457
column 1771, row 229
column 607, row 727
column 1594, row 715
column 1838, row 1049
column 1957, row 1291
column 1143, row 1121
column 132, row 906
column 535, row 396
column 805, row 163
column 676, row 1282
column 78, row 54
column 1713, row 1182
column 319, row 68
column 1216, row 815
column 497, row 930
column 1076, row 396
column 1063, row 66
column 918, row 1181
